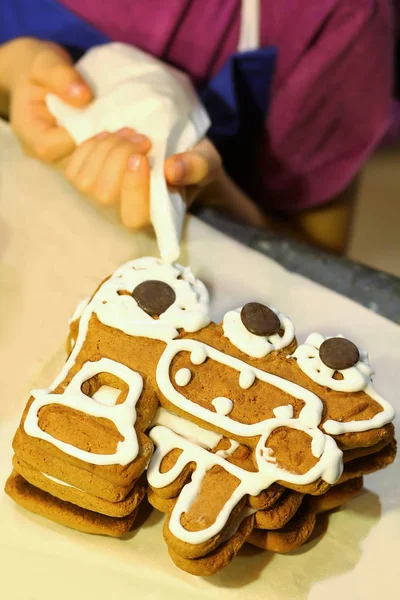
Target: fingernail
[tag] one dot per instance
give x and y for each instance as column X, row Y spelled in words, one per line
column 134, row 162
column 178, row 170
column 75, row 89
column 138, row 138
column 101, row 135
column 125, row 132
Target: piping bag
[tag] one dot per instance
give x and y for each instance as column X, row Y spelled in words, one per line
column 133, row 89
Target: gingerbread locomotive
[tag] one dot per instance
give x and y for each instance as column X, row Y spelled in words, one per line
column 235, row 431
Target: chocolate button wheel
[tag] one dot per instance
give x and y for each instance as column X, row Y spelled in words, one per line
column 154, row 297
column 339, row 353
column 259, row 319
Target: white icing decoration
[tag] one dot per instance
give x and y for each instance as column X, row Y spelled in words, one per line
column 59, row 482
column 283, row 412
column 222, row 405
column 256, row 346
column 310, row 414
column 199, row 355
column 79, row 310
column 191, row 431
column 106, row 395
column 234, row 526
column 379, row 420
column 329, row 467
column 329, row 463
column 355, row 379
column 268, row 455
column 224, row 453
column 122, row 415
column 182, row 377
column 246, row 378
column 188, row 312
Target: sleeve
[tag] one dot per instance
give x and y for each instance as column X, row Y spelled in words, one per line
column 330, row 108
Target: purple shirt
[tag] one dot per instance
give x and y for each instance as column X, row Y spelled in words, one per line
column 331, row 95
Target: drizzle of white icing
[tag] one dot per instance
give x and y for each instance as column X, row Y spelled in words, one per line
column 329, row 468
column 199, row 355
column 255, row 345
column 182, row 377
column 121, row 311
column 79, row 310
column 106, row 395
column 268, row 455
column 224, row 453
column 310, row 414
column 222, row 405
column 283, row 412
column 59, row 482
column 379, row 420
column 191, row 431
column 246, row 378
column 122, row 415
column 355, row 379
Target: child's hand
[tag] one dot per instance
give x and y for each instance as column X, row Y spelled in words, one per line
column 194, row 169
column 43, row 67
column 112, row 169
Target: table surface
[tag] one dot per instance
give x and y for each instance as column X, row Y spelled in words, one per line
column 376, row 290
column 54, row 249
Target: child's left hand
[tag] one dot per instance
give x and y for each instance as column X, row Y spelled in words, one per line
column 194, row 169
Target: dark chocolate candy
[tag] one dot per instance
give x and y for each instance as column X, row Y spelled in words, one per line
column 259, row 319
column 154, row 297
column 339, row 353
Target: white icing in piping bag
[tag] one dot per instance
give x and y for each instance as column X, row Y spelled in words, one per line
column 133, row 89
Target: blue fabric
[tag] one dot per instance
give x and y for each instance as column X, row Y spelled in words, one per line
column 48, row 20
column 237, row 100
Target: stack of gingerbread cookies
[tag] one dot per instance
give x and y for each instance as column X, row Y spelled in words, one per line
column 235, row 431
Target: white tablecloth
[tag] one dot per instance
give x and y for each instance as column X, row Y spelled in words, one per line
column 54, row 249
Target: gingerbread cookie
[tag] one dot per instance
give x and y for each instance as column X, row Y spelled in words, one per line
column 240, row 434
column 82, row 441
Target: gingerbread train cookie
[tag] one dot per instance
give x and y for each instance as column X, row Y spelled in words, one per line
column 238, row 433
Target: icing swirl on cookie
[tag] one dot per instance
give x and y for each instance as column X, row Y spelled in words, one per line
column 189, row 311
column 310, row 413
column 354, row 379
column 328, row 467
column 122, row 415
column 257, row 346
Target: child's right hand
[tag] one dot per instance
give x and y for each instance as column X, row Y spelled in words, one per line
column 37, row 68
column 112, row 169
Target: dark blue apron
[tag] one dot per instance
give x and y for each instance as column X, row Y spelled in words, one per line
column 237, row 98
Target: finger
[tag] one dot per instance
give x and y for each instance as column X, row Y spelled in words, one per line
column 54, row 70
column 53, row 144
column 135, row 193
column 196, row 167
column 90, row 158
column 108, row 184
column 79, row 156
column 37, row 128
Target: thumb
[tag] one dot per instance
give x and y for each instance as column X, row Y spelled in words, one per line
column 53, row 69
